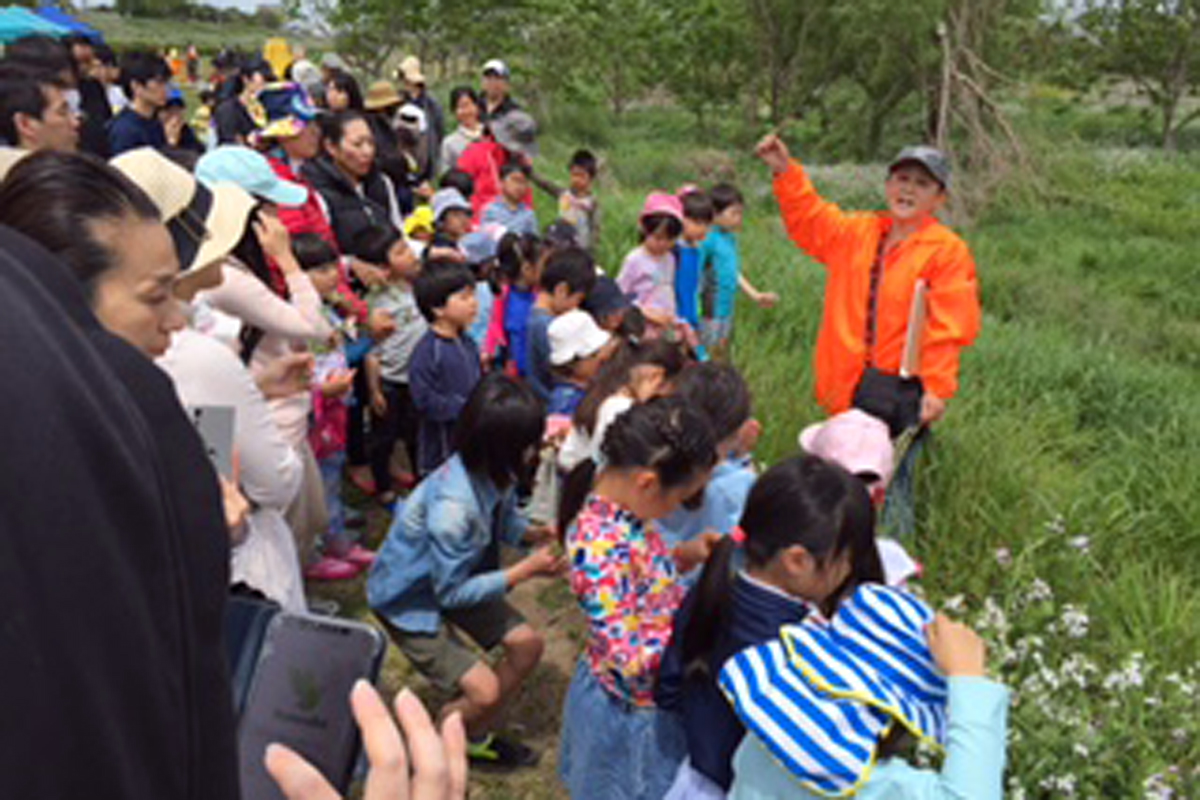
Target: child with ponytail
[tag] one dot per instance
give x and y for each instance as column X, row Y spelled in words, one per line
column 615, row 744
column 809, row 538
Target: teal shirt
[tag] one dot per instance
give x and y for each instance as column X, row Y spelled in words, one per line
column 720, row 266
column 973, row 768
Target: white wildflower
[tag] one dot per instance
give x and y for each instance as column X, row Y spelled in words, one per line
column 1081, row 543
column 1080, row 749
column 1039, row 591
column 955, row 604
column 1180, row 735
column 1004, row 557
column 993, row 617
column 1060, row 783
column 1057, row 525
column 1157, row 788
column 1077, row 669
column 1075, row 622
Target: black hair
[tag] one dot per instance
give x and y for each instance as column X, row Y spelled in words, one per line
column 585, row 160
column 499, row 430
column 459, row 92
column 725, row 195
column 633, row 325
column 665, row 435
column 333, row 126
column 42, row 54
column 57, row 199
column 72, row 39
column 698, row 206
column 802, row 501
column 249, row 252
column 104, row 54
column 372, row 243
column 617, row 372
column 514, row 251
column 142, row 67
column 457, row 179
column 720, row 392
column 654, row 223
column 348, row 84
column 22, row 91
column 573, row 266
column 312, row 251
column 436, row 283
column 259, row 66
column 510, row 166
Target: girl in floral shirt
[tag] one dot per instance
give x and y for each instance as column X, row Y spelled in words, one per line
column 615, row 744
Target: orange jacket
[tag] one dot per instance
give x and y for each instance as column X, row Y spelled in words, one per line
column 847, row 244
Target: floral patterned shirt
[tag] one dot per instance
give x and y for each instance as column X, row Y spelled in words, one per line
column 626, row 582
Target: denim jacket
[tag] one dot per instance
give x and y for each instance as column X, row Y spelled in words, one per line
column 437, row 545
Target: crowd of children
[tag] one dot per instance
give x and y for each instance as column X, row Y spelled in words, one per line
column 746, row 635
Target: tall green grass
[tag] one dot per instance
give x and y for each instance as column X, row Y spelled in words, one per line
column 1078, row 408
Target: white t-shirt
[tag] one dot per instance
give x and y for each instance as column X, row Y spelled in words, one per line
column 579, row 446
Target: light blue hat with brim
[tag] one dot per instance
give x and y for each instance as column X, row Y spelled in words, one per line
column 251, row 171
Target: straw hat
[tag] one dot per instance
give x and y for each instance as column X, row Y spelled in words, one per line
column 206, row 223
column 381, row 95
column 410, row 69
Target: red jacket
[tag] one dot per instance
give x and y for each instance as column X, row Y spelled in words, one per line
column 482, row 161
column 311, row 218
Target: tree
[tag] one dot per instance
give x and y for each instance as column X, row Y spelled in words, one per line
column 1155, row 44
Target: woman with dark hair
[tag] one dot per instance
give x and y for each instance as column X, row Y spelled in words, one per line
column 117, row 659
column 239, row 115
column 468, row 110
column 357, row 195
column 342, row 93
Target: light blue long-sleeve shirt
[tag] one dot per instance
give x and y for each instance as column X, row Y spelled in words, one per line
column 438, row 538
column 724, row 500
column 973, row 768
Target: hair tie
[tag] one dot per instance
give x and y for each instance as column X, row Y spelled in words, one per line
column 738, row 534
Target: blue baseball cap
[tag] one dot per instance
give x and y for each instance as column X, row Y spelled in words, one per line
column 251, row 171
column 479, row 247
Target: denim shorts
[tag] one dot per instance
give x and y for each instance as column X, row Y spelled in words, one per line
column 612, row 750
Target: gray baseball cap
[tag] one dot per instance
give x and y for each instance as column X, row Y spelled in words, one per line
column 930, row 158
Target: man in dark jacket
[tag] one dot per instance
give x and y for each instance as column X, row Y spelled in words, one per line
column 113, row 562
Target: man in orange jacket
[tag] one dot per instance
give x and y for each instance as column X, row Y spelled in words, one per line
column 883, row 254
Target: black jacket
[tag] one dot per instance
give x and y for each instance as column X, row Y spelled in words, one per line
column 113, row 562
column 350, row 213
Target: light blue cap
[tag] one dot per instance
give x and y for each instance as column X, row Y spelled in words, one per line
column 251, row 171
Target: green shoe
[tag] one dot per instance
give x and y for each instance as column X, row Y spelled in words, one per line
column 500, row 753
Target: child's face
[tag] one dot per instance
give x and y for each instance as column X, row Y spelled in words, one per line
column 562, row 299
column 403, row 263
column 694, row 230
column 515, row 187
column 612, row 320
column 912, row 193
column 731, row 218
column 324, row 278
column 460, row 309
column 581, row 181
column 659, row 243
column 456, row 223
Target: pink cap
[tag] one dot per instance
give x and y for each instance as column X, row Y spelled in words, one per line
column 686, row 189
column 855, row 441
column 662, row 203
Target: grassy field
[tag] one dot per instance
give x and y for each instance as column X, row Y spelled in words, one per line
column 210, row 37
